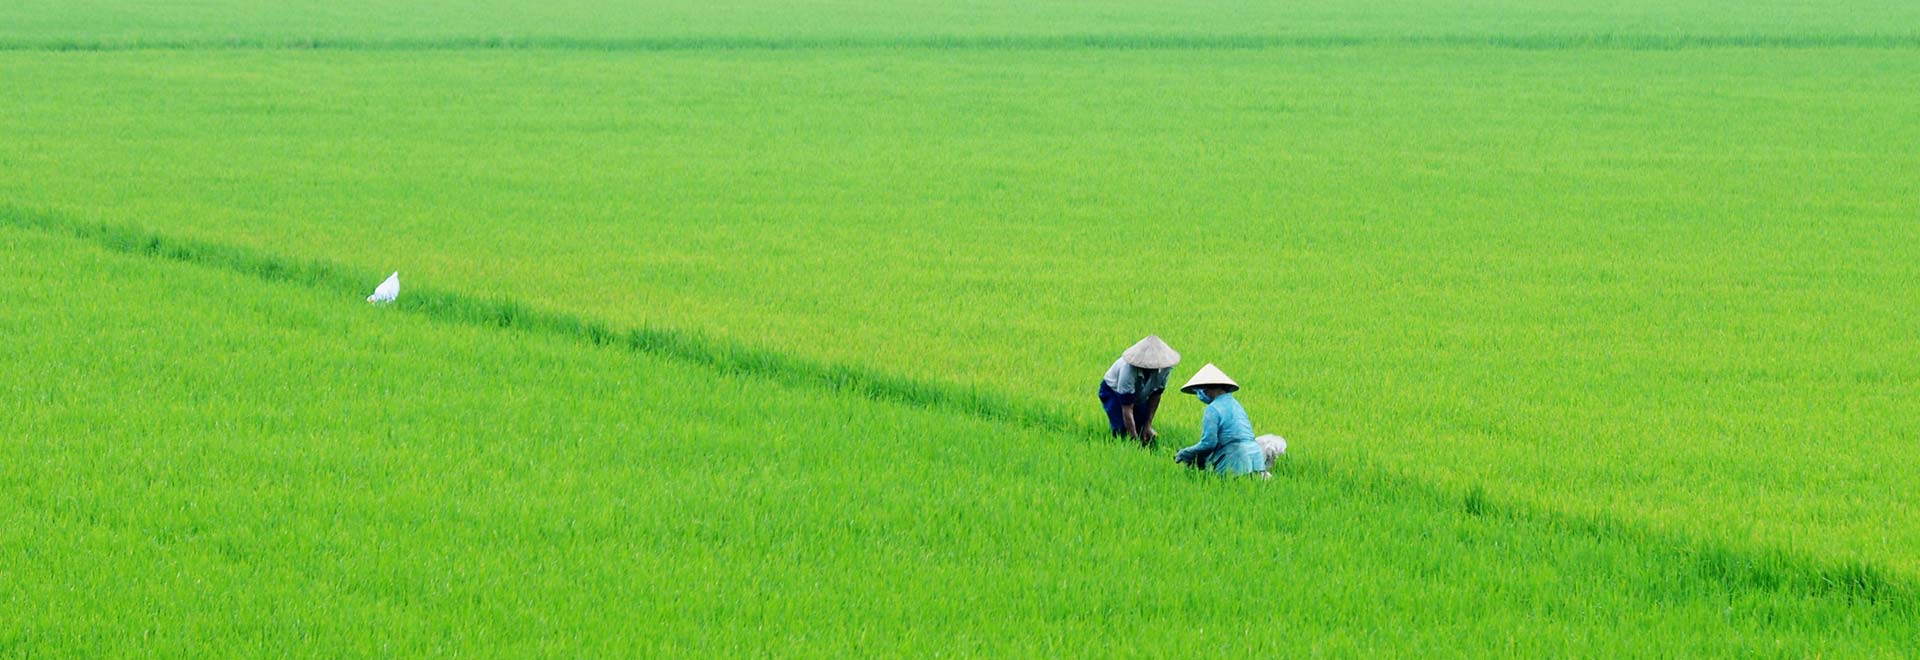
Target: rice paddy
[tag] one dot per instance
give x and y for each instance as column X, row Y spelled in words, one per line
column 776, row 330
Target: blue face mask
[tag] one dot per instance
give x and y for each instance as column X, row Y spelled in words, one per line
column 1203, row 396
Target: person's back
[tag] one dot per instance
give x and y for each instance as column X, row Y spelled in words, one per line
column 1235, row 451
column 1130, row 391
column 1226, row 441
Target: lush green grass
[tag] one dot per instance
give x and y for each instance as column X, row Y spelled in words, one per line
column 1591, row 326
column 196, row 459
column 680, row 23
column 1667, row 288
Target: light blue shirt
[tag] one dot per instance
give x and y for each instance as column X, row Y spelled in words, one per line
column 1226, row 439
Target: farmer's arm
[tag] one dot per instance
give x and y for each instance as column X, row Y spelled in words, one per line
column 1152, row 410
column 1149, row 392
column 1127, row 397
column 1209, row 439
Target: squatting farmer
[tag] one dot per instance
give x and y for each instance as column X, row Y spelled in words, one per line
column 1131, row 390
column 1226, row 442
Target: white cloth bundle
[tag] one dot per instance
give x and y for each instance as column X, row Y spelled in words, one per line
column 1272, row 446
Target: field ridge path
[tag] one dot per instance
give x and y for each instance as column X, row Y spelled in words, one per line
column 1737, row 569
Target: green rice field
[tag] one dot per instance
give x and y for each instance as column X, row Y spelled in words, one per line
column 773, row 328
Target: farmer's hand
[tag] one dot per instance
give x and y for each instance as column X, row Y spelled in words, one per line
column 1150, row 435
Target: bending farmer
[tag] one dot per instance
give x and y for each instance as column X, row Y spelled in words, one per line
column 1132, row 388
column 1226, row 436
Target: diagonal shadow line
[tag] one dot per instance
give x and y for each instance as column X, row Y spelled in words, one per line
column 1884, row 593
column 1083, row 41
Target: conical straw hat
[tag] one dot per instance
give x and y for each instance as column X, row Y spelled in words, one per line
column 1151, row 353
column 1210, row 376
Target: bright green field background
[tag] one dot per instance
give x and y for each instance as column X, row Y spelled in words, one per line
column 1659, row 285
column 1667, row 286
column 199, row 461
column 117, row 23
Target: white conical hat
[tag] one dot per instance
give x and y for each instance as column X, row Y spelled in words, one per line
column 1151, row 353
column 1209, row 375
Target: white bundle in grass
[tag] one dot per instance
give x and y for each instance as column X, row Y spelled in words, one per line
column 387, row 291
column 1272, row 446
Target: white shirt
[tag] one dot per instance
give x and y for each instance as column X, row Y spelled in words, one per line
column 1134, row 382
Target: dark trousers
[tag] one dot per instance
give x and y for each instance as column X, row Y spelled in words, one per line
column 1143, row 409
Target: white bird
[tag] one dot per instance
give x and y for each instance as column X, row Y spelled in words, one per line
column 387, row 291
